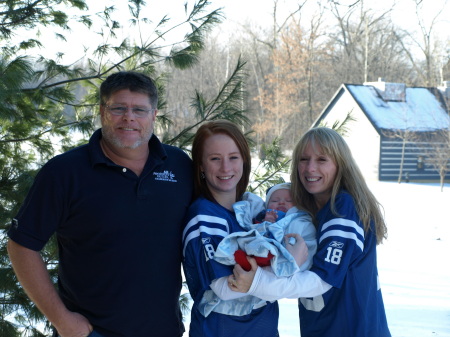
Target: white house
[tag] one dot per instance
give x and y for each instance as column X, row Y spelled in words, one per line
column 393, row 128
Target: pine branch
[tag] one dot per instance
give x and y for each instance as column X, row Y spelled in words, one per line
column 39, row 134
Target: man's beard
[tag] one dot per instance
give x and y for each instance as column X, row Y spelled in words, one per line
column 111, row 138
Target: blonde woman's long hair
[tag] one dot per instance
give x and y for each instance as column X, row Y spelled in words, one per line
column 348, row 177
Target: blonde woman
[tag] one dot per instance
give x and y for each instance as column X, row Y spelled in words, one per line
column 340, row 295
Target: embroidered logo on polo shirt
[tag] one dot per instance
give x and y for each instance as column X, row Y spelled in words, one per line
column 165, row 176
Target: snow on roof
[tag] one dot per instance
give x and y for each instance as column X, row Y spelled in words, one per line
column 420, row 111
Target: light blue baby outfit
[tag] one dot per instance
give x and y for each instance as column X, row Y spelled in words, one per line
column 258, row 240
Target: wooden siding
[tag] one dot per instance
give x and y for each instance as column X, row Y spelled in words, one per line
column 390, row 161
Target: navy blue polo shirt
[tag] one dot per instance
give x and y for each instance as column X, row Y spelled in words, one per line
column 119, row 235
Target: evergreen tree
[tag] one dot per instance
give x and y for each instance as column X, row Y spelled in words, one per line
column 45, row 102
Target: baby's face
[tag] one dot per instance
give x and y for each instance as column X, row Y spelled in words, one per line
column 280, row 200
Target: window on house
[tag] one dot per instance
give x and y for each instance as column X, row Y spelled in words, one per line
column 419, row 163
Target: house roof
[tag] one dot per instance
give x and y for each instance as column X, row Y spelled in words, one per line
column 415, row 109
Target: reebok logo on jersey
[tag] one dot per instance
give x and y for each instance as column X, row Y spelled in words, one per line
column 336, row 244
column 208, row 249
column 165, row 176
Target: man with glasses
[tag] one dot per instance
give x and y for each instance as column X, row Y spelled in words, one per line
column 116, row 205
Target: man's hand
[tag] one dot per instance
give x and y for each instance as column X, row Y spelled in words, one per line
column 34, row 278
column 74, row 325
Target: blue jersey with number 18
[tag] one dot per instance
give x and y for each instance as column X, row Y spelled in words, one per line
column 346, row 259
column 206, row 225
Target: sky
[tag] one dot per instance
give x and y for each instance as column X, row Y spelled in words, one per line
column 237, row 12
column 412, row 263
column 403, row 12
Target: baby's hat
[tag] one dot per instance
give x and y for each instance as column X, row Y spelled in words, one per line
column 282, row 186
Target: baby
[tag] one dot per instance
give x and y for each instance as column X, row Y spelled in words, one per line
column 266, row 240
column 267, row 225
column 278, row 202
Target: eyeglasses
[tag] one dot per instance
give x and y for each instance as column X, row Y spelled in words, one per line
column 120, row 110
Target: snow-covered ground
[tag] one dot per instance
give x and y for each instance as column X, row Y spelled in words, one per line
column 413, row 264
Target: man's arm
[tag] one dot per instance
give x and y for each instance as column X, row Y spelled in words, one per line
column 34, row 278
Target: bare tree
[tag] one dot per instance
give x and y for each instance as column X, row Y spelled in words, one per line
column 289, row 99
column 363, row 40
column 429, row 69
column 406, row 136
column 257, row 47
column 438, row 154
column 207, row 76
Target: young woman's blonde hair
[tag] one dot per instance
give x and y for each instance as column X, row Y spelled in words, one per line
column 348, row 177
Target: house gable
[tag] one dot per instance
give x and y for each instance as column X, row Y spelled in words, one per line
column 385, row 113
column 365, row 152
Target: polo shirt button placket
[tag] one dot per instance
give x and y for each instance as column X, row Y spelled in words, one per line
column 124, row 170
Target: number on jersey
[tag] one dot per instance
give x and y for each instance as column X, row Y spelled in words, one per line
column 209, row 251
column 334, row 255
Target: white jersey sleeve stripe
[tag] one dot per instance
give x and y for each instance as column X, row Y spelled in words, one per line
column 204, row 229
column 343, row 222
column 343, row 234
column 205, row 218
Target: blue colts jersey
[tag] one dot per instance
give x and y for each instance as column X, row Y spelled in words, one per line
column 207, row 223
column 346, row 259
